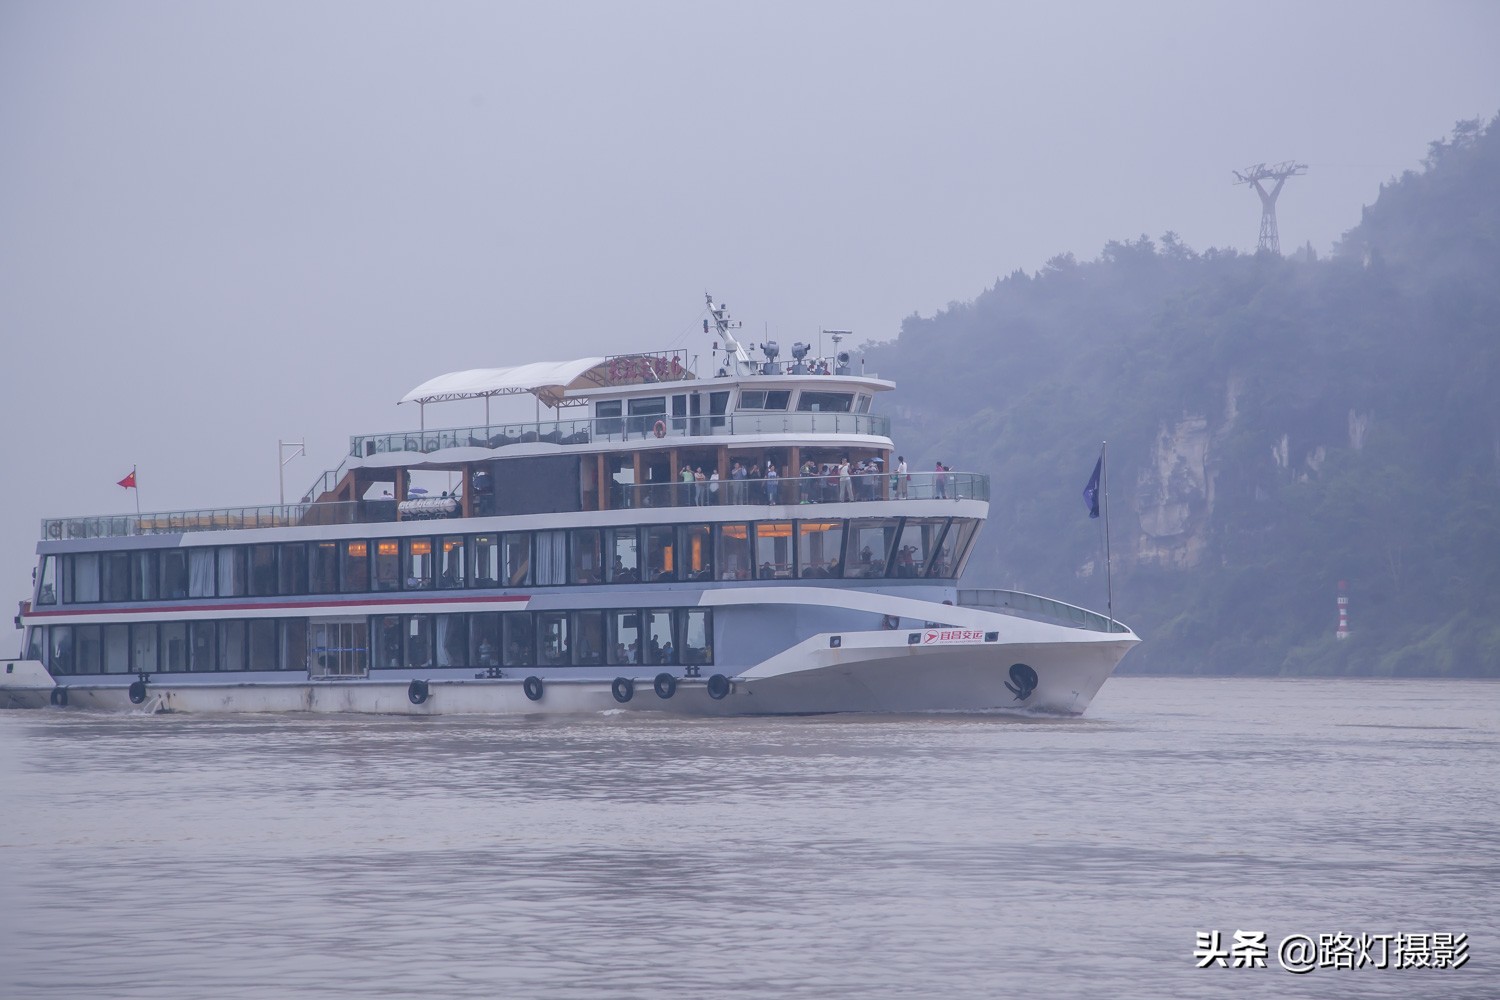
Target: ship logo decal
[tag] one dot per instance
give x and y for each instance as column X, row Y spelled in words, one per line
column 1022, row 681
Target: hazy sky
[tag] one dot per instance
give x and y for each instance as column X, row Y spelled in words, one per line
column 227, row 223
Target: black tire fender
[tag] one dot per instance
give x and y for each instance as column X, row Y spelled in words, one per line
column 665, row 685
column 718, row 686
column 533, row 687
column 623, row 689
column 417, row 692
column 137, row 692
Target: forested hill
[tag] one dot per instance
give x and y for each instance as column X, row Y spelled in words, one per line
column 1275, row 426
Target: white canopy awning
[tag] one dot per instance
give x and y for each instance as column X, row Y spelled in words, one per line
column 547, row 380
column 551, row 381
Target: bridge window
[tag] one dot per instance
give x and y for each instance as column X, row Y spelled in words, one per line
column 824, row 402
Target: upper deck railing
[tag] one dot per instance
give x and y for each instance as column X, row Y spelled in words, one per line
column 633, row 428
column 730, row 492
column 287, row 515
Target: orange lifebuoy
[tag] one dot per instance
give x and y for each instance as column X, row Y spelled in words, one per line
column 660, row 430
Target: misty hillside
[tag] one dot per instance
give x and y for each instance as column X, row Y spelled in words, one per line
column 1275, row 425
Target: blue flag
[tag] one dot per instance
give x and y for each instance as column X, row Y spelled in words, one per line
column 1091, row 491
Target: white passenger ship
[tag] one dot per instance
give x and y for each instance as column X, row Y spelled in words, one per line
column 576, row 565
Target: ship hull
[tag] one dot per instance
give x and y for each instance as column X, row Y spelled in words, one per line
column 883, row 671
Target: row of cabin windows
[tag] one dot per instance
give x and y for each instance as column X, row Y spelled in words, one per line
column 766, row 550
column 621, row 637
column 639, row 415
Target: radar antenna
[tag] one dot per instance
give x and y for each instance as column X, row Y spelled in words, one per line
column 1270, row 240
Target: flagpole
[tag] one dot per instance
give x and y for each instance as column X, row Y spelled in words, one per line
column 1109, row 581
column 137, row 496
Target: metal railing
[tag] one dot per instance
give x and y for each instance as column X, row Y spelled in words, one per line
column 758, row 492
column 216, row 519
column 802, row 490
column 1016, row 602
column 639, row 427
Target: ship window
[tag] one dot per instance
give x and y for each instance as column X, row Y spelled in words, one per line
column 451, row 564
column 293, row 643
column 231, row 572
column 869, row 548
column 116, row 649
column 824, row 402
column 764, row 399
column 520, row 639
column 659, row 648
column 174, row 646
column 174, row 574
column 203, row 646
column 625, row 637
column 323, row 568
column 695, row 552
column 291, row 571
column 919, row 537
column 60, row 658
column 46, row 584
column 83, row 577
column 419, row 640
column 696, row 635
column 484, row 639
column 354, row 566
column 36, row 643
column 624, row 566
column 114, row 574
column 452, row 638
column 661, row 554
column 588, row 561
column 553, row 648
column 515, row 558
column 775, row 554
column 718, row 403
column 954, row 549
column 144, row 657
column 862, row 403
column 232, row 645
column 86, row 646
column 551, row 558
column 588, row 638
column 387, row 565
column 261, row 580
column 734, row 557
column 644, row 413
column 143, row 575
column 679, row 412
column 201, row 572
column 417, row 563
column 607, row 413
column 261, row 637
column 484, row 560
column 388, row 636
column 821, row 544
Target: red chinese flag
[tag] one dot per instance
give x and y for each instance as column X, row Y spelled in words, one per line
column 129, row 481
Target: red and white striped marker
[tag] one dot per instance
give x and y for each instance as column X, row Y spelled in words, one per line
column 1343, row 630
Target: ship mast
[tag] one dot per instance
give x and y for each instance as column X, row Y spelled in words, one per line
column 734, row 351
